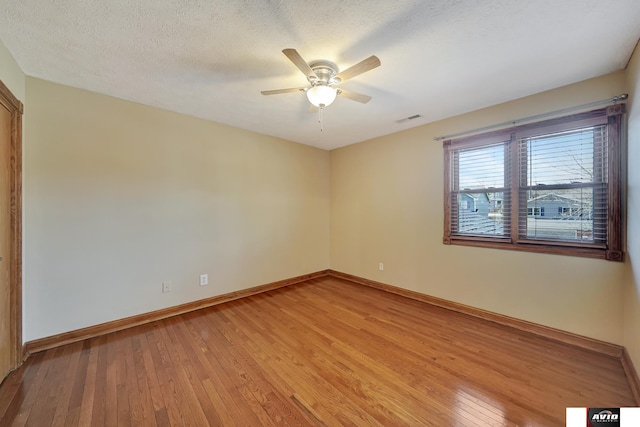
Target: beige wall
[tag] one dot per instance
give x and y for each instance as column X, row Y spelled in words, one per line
column 387, row 206
column 632, row 272
column 11, row 74
column 122, row 197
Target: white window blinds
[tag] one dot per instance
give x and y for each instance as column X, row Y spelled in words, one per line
column 563, row 179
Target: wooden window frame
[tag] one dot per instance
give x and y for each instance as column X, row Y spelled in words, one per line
column 612, row 250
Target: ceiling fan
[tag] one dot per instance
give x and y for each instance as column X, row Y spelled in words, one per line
column 323, row 77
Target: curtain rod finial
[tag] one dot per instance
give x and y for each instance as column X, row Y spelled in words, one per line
column 620, row 97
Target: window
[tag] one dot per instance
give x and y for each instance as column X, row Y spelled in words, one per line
column 535, row 211
column 552, row 187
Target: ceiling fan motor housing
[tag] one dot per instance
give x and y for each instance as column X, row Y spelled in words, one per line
column 326, row 72
column 323, row 77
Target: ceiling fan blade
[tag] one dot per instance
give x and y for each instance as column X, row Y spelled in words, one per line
column 354, row 96
column 277, row 91
column 361, row 67
column 302, row 65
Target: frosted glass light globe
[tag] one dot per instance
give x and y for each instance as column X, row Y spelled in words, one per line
column 321, row 95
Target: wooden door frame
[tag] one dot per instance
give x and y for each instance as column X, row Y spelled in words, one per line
column 16, row 109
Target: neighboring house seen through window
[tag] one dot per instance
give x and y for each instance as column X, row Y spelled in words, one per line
column 553, row 187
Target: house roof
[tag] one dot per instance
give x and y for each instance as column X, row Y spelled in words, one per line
column 552, row 197
column 211, row 59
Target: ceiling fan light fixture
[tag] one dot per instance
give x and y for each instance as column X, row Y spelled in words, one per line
column 321, row 95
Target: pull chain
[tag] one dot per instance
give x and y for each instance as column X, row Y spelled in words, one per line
column 320, row 117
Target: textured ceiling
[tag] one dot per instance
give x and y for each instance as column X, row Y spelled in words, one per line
column 211, row 59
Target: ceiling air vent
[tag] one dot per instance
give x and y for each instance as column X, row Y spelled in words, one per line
column 406, row 119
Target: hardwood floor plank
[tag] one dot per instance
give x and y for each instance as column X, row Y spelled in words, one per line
column 275, row 403
column 148, row 371
column 62, row 398
column 223, row 415
column 77, row 392
column 230, row 378
column 308, row 409
column 45, row 403
column 14, row 389
column 187, row 398
column 323, row 353
column 162, row 419
column 171, row 396
column 130, row 393
column 111, row 381
column 99, row 411
column 199, row 374
column 413, row 398
column 86, row 407
column 29, row 402
column 304, row 380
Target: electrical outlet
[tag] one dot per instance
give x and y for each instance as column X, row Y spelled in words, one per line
column 166, row 287
column 381, row 267
column 204, row 279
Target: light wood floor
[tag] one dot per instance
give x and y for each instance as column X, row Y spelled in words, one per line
column 326, row 352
